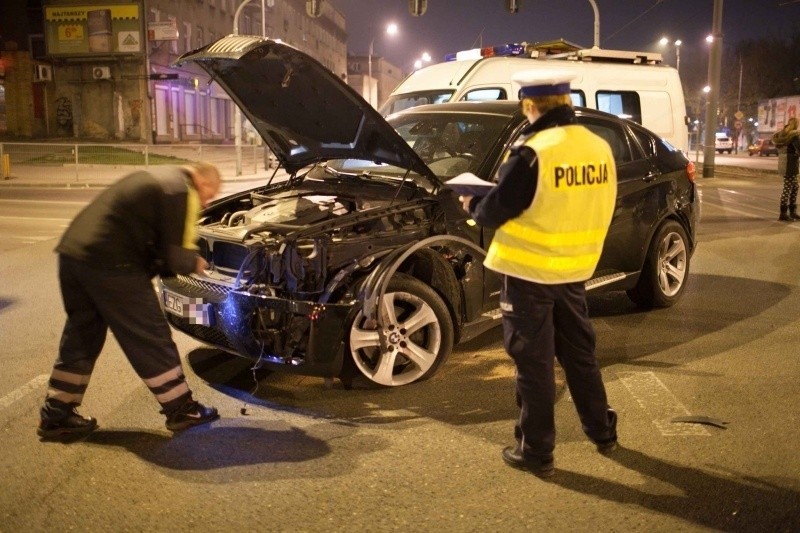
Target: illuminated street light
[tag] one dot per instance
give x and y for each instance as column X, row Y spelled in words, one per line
column 419, row 63
column 391, row 29
column 665, row 41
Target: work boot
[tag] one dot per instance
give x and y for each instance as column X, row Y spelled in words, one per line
column 785, row 214
column 609, row 444
column 793, row 212
column 59, row 420
column 538, row 466
column 192, row 413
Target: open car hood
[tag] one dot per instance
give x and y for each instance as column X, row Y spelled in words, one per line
column 302, row 110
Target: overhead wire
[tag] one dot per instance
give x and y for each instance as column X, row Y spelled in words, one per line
column 637, row 17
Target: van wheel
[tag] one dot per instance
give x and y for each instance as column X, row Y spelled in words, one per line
column 416, row 338
column 666, row 267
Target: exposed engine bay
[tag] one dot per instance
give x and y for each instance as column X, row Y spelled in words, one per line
column 284, row 241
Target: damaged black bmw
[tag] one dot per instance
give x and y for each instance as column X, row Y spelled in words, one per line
column 362, row 264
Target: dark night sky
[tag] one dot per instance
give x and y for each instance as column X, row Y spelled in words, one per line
column 452, row 25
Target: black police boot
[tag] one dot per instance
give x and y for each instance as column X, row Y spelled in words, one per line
column 538, row 466
column 793, row 212
column 192, row 413
column 60, row 420
column 609, row 444
column 785, row 214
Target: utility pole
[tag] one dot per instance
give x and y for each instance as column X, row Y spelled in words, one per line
column 714, row 69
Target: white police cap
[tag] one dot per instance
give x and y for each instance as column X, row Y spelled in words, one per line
column 541, row 82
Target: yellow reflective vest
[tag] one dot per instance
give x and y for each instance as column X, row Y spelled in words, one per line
column 559, row 237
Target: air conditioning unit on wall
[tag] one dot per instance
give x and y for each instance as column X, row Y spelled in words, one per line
column 101, row 73
column 43, row 73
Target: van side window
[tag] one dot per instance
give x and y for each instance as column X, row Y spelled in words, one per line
column 482, row 95
column 624, row 104
column 615, row 136
column 578, row 98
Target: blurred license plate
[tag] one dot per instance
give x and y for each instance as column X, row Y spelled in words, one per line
column 194, row 309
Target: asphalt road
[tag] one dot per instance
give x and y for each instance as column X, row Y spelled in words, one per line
column 297, row 454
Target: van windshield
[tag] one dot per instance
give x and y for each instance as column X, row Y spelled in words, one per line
column 399, row 102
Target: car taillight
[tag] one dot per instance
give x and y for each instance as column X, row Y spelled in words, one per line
column 690, row 171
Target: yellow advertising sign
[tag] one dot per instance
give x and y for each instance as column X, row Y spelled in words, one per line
column 70, row 13
column 93, row 29
column 70, row 32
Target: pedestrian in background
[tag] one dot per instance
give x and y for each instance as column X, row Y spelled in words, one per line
column 140, row 226
column 550, row 232
column 788, row 142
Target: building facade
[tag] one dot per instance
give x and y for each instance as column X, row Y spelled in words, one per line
column 375, row 89
column 107, row 75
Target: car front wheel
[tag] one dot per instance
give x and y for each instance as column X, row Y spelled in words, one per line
column 666, row 268
column 416, row 337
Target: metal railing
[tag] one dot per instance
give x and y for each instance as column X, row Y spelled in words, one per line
column 82, row 163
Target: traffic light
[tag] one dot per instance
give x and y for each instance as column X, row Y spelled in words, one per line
column 512, row 6
column 314, row 8
column 417, row 7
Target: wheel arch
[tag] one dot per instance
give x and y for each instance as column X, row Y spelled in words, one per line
column 421, row 261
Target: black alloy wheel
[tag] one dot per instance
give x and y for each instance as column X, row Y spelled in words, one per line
column 666, row 268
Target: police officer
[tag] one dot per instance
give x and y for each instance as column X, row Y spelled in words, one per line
column 142, row 225
column 552, row 207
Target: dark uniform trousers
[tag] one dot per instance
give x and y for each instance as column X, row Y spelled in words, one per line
column 97, row 299
column 541, row 323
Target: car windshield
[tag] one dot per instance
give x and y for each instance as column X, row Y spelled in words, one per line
column 449, row 143
column 400, row 102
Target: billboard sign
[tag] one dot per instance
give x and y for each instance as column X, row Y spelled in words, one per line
column 162, row 31
column 93, row 30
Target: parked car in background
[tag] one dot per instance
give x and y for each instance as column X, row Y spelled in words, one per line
column 362, row 264
column 762, row 147
column 723, row 143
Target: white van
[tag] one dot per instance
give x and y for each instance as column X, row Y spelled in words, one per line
column 634, row 85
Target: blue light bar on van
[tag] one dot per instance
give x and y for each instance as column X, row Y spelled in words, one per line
column 512, row 49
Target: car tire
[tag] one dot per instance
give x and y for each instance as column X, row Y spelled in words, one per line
column 405, row 356
column 666, row 268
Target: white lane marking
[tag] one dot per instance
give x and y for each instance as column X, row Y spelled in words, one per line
column 19, row 393
column 723, row 205
column 655, row 398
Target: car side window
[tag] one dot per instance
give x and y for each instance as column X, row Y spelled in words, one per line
column 615, row 136
column 645, row 142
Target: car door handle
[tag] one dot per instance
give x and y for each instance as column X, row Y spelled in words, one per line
column 652, row 176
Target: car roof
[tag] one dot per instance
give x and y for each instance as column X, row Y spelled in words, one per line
column 509, row 108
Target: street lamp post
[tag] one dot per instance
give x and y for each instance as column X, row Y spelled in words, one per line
column 391, row 29
column 237, row 113
column 714, row 68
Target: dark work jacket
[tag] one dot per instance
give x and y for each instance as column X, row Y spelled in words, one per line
column 136, row 224
column 517, row 176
